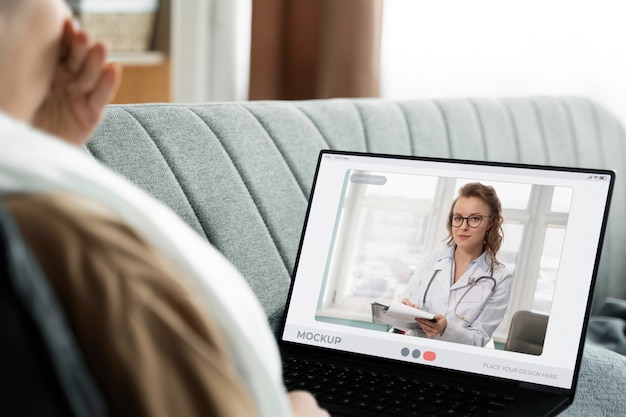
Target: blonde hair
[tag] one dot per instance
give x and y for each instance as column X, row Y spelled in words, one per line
column 494, row 234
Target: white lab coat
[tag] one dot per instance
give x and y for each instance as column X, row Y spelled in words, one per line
column 473, row 311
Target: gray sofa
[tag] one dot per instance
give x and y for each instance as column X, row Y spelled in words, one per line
column 240, row 174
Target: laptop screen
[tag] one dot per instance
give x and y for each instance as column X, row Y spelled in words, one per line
column 498, row 261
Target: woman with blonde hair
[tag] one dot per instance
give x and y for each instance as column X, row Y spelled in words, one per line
column 166, row 324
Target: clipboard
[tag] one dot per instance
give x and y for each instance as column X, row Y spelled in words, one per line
column 398, row 314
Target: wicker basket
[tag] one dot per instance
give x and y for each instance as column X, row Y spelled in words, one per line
column 124, row 32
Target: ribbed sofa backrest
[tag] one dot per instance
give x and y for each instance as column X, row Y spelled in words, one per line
column 240, row 173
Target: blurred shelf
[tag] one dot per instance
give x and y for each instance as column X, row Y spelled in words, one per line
column 145, row 84
column 146, row 75
column 139, row 59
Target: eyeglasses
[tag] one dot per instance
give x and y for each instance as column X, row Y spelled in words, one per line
column 472, row 221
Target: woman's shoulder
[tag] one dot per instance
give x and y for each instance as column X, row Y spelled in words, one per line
column 439, row 255
column 433, row 258
column 502, row 271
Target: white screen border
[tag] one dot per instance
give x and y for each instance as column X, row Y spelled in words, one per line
column 555, row 367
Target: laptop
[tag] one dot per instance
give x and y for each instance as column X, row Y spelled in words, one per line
column 375, row 228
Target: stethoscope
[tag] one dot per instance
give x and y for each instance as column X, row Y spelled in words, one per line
column 472, row 282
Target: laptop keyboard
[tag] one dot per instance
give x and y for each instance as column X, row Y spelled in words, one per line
column 364, row 393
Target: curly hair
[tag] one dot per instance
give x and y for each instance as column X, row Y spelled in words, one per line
column 494, row 235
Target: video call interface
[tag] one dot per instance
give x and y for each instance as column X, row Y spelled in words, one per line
column 381, row 237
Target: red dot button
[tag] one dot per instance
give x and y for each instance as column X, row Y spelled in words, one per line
column 430, row 356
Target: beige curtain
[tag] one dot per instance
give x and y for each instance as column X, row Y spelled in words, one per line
column 303, row 49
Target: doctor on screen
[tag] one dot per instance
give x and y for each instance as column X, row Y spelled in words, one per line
column 465, row 285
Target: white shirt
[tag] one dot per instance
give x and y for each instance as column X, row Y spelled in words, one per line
column 472, row 309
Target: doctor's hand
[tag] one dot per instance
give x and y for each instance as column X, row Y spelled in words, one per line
column 409, row 303
column 433, row 328
column 83, row 84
